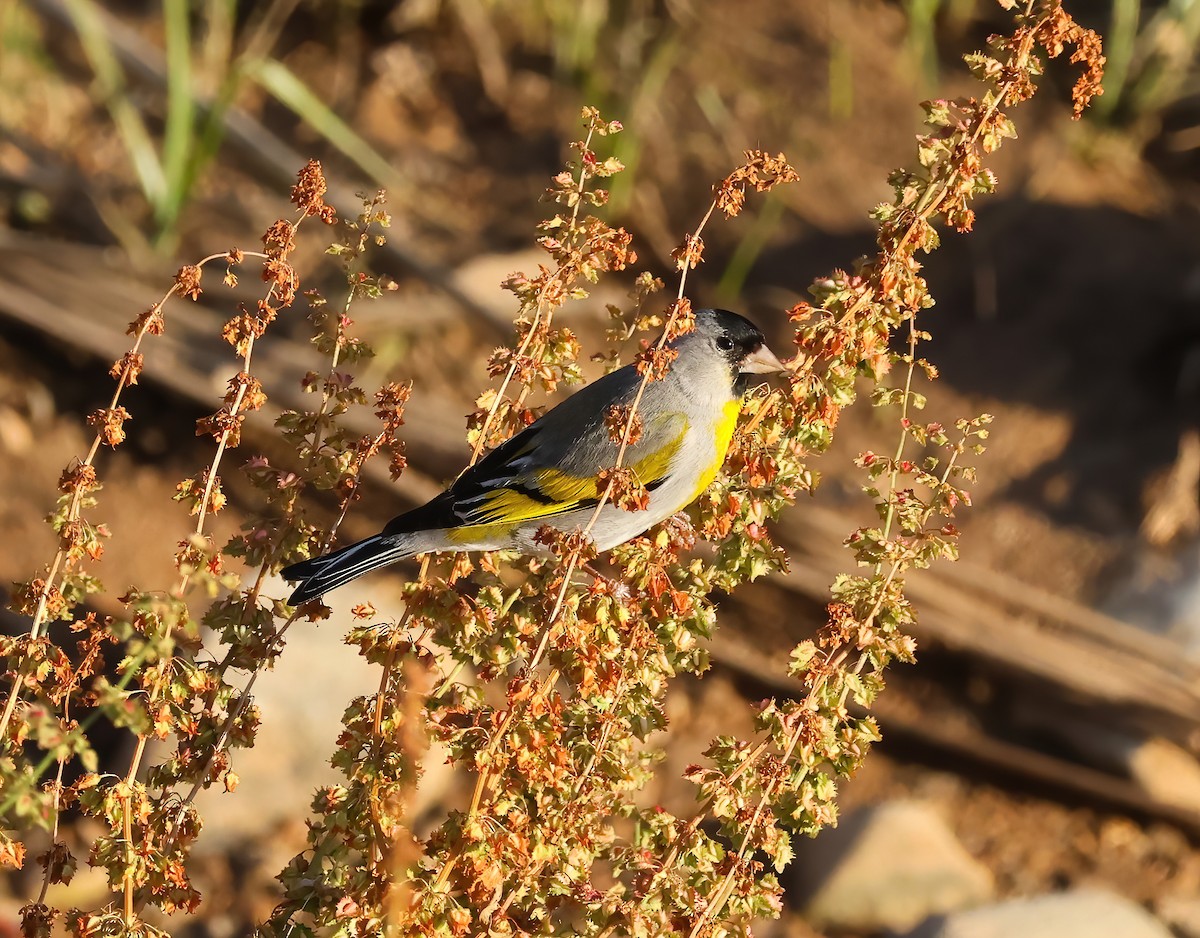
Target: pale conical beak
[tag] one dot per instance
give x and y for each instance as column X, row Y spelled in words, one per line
column 761, row 361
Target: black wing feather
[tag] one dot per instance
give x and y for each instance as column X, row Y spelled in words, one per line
column 453, row 506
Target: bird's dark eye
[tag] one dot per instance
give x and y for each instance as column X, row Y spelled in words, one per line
column 724, row 343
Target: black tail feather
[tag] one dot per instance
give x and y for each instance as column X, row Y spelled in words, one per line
column 319, row 575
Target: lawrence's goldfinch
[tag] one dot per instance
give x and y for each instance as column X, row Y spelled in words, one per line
column 546, row 474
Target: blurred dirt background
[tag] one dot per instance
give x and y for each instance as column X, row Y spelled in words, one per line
column 1056, row 746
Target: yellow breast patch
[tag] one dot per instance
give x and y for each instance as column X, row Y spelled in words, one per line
column 722, row 434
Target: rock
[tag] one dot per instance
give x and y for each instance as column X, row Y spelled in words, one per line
column 1164, row 770
column 479, row 279
column 1182, row 913
column 302, row 701
column 1080, row 913
column 1167, row 771
column 1160, row 592
column 690, row 707
column 889, row 866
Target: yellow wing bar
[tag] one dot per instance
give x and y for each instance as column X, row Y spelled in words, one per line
column 552, row 492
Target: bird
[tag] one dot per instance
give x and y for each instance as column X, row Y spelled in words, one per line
column 546, row 474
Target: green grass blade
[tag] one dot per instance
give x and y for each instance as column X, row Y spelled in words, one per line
column 1164, row 59
column 218, row 66
column 628, row 146
column 216, row 41
column 733, row 278
column 1119, row 46
column 179, row 131
column 922, row 37
column 110, row 80
column 841, row 80
column 278, row 81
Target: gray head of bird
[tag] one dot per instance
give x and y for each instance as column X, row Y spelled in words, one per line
column 733, row 339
